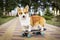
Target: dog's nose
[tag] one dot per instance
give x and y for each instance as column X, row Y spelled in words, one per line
column 23, row 16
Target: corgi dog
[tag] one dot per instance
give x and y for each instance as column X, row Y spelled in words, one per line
column 30, row 22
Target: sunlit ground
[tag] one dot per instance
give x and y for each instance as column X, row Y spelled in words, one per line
column 12, row 30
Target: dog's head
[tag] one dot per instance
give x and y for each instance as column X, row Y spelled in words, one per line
column 23, row 12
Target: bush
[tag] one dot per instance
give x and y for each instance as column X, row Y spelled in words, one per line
column 58, row 18
column 5, row 19
column 1, row 13
column 6, row 16
column 48, row 15
column 3, row 16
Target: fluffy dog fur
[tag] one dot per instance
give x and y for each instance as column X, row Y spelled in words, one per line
column 32, row 22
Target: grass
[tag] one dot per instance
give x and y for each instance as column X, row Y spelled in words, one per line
column 5, row 19
column 56, row 23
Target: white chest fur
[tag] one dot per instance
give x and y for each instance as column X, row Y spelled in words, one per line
column 25, row 22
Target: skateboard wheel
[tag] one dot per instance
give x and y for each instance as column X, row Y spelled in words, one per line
column 38, row 33
column 23, row 35
column 29, row 35
column 42, row 33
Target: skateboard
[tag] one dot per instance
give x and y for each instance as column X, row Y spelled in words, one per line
column 33, row 32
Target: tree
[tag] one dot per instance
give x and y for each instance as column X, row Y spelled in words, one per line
column 48, row 15
column 10, row 5
column 1, row 7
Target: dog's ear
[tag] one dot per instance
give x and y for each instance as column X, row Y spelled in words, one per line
column 26, row 8
column 18, row 10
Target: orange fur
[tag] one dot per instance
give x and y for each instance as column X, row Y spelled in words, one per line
column 25, row 10
column 35, row 20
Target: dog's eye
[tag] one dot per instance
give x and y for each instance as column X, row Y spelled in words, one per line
column 26, row 12
column 20, row 13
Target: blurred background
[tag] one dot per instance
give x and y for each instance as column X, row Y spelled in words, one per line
column 49, row 9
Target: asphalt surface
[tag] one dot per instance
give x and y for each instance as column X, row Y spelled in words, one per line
column 11, row 31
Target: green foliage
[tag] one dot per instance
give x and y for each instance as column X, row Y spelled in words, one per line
column 4, row 16
column 25, row 2
column 48, row 15
column 39, row 14
column 55, row 21
column 10, row 5
column 58, row 18
column 5, row 19
column 1, row 7
column 1, row 12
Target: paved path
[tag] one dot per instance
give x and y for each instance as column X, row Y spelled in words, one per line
column 11, row 31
